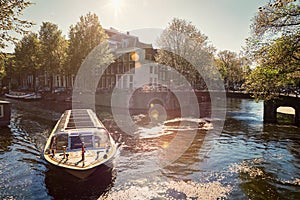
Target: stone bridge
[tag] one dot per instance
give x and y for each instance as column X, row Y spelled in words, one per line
column 270, row 108
column 140, row 101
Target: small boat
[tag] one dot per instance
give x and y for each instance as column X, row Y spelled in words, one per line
column 18, row 95
column 79, row 143
column 23, row 96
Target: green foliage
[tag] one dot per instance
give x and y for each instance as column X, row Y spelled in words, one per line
column 48, row 51
column 84, row 37
column 53, row 49
column 10, row 22
column 27, row 53
column 185, row 48
column 233, row 68
column 27, row 56
column 2, row 66
column 277, row 16
column 275, row 47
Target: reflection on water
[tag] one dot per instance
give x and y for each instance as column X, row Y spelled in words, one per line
column 62, row 185
column 249, row 160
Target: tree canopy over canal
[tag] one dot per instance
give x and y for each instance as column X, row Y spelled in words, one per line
column 275, row 46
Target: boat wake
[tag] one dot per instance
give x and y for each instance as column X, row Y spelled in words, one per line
column 172, row 126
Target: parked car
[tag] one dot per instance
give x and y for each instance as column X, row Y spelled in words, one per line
column 59, row 90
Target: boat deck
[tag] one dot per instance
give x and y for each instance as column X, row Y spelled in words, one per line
column 76, row 130
column 74, row 159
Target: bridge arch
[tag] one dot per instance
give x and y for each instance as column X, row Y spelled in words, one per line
column 270, row 109
column 286, row 114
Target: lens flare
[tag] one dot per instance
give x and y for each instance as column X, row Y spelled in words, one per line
column 134, row 56
column 155, row 114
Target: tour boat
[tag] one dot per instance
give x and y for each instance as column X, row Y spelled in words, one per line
column 79, row 143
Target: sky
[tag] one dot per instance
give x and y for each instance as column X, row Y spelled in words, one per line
column 226, row 23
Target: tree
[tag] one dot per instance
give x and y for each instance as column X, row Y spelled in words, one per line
column 84, row 37
column 53, row 49
column 275, row 47
column 10, row 11
column 27, row 53
column 232, row 67
column 7, row 69
column 2, row 66
column 185, row 48
column 277, row 16
column 279, row 66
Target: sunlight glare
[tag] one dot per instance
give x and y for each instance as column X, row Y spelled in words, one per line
column 116, row 3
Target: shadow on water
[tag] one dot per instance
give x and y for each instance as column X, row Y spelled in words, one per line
column 62, row 185
column 5, row 139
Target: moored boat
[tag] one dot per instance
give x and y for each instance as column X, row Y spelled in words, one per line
column 79, row 143
column 17, row 95
column 23, row 96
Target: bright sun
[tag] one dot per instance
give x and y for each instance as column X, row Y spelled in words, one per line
column 116, row 3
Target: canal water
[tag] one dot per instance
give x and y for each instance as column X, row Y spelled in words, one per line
column 249, row 160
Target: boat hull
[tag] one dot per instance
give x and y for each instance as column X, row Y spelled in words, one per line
column 81, row 174
column 63, row 185
column 84, row 174
column 17, row 96
column 27, row 97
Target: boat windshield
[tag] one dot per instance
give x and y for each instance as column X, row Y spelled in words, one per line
column 76, row 141
column 60, row 140
column 101, row 138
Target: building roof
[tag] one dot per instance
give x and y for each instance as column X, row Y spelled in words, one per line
column 120, row 40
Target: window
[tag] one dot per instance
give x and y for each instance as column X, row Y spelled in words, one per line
column 61, row 140
column 125, row 82
column 76, row 141
column 131, row 67
column 125, row 43
column 126, row 68
column 131, row 81
column 1, row 111
column 57, row 83
column 163, row 76
column 101, row 138
column 107, row 81
column 103, row 81
column 130, row 56
column 151, row 69
column 155, row 70
column 149, row 56
column 120, row 68
column 119, row 81
column 113, row 82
